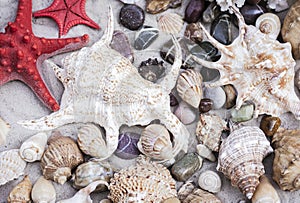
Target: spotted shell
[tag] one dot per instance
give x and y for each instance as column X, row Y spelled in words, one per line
column 11, row 165
column 170, row 23
column 286, row 165
column 265, row 192
column 4, row 130
column 90, row 140
column 241, row 155
column 269, row 24
column 61, row 156
column 189, row 87
column 145, row 182
column 43, row 191
column 21, row 192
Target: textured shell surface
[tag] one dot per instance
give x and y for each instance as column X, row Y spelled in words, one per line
column 226, row 4
column 103, row 87
column 43, row 191
column 240, row 157
column 186, row 189
column 4, row 130
column 201, row 196
column 269, row 24
column 11, row 165
column 286, row 165
column 209, row 130
column 170, row 23
column 205, row 152
column 145, row 182
column 33, row 148
column 189, row 87
column 265, row 192
column 155, row 142
column 210, row 181
column 21, row 192
column 259, row 67
column 61, row 156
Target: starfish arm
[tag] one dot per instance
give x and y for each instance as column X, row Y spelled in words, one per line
column 23, row 17
column 5, row 76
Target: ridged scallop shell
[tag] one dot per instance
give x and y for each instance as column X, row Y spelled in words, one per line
column 241, row 155
column 43, row 191
column 21, row 192
column 90, row 140
column 33, row 148
column 265, row 192
column 89, row 172
column 189, row 87
column 209, row 130
column 155, row 142
column 144, row 182
column 4, row 130
column 170, row 23
column 269, row 24
column 210, row 181
column 286, row 165
column 11, row 165
column 61, row 156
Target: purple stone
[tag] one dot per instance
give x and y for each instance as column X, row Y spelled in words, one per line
column 194, row 10
column 252, row 12
column 127, row 147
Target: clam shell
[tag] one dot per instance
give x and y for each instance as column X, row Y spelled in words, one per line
column 4, row 130
column 210, row 181
column 33, row 148
column 21, row 192
column 61, row 156
column 170, row 23
column 43, row 191
column 241, row 155
column 265, row 192
column 155, row 142
column 269, row 24
column 90, row 140
column 189, row 87
column 11, row 165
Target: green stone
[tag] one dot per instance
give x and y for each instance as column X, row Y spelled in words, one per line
column 245, row 113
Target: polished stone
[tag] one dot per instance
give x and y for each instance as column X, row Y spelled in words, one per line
column 245, row 113
column 270, row 124
column 127, row 147
column 194, row 11
column 145, row 37
column 132, row 16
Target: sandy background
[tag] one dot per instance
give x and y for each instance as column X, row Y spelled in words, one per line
column 18, row 102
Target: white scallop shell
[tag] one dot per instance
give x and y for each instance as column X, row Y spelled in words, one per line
column 33, row 148
column 265, row 192
column 210, row 181
column 205, row 152
column 170, row 23
column 21, row 192
column 189, row 87
column 269, row 24
column 11, row 165
column 43, row 191
column 4, row 130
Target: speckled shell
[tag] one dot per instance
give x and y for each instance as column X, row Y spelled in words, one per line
column 21, row 192
column 43, row 191
column 145, row 182
column 4, row 130
column 209, row 130
column 189, row 87
column 265, row 192
column 241, row 155
column 155, row 142
column 90, row 140
column 286, row 165
column 269, row 24
column 170, row 23
column 61, row 156
column 33, row 148
column 11, row 165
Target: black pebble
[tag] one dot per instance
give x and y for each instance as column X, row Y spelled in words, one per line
column 132, row 16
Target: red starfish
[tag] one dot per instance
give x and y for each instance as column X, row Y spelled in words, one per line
column 21, row 52
column 67, row 13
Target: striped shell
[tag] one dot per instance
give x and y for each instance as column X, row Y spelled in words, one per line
column 4, row 130
column 144, row 182
column 21, row 192
column 170, row 23
column 241, row 155
column 11, row 165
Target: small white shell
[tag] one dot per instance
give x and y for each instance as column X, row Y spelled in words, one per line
column 11, row 165
column 265, row 192
column 21, row 192
column 269, row 24
column 4, row 130
column 210, row 181
column 185, row 114
column 43, row 191
column 189, row 87
column 170, row 23
column 33, row 148
column 206, row 153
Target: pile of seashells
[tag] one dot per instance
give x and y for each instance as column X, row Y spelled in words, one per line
column 185, row 110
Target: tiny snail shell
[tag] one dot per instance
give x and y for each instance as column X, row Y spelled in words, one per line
column 33, row 148
column 21, row 192
column 210, row 181
column 269, row 24
column 43, row 191
column 4, row 130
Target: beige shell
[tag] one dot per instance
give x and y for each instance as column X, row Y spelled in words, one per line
column 209, row 130
column 186, row 189
column 286, row 165
column 105, row 201
column 11, row 165
column 90, row 140
column 196, row 195
column 144, row 182
column 269, row 24
column 4, row 130
column 43, row 191
column 210, row 181
column 21, row 192
column 265, row 192
column 89, row 172
column 61, row 156
column 172, row 200
column 206, row 153
column 241, row 155
column 155, row 142
column 189, row 87
column 33, row 148
column 170, row 23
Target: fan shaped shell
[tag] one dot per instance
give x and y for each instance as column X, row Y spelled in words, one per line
column 21, row 192
column 170, row 23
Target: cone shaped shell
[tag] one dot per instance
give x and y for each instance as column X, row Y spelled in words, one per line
column 265, row 192
column 21, row 192
column 170, row 23
column 43, row 191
